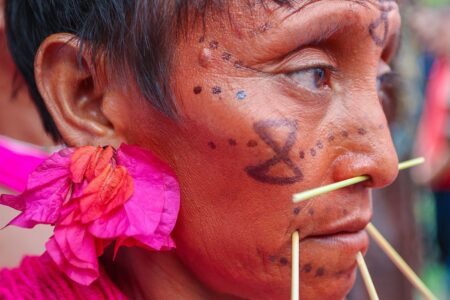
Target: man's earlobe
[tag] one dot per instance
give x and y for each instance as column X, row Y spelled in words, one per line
column 74, row 91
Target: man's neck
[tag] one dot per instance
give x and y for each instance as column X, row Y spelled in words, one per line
column 143, row 274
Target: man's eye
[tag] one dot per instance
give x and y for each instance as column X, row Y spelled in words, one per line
column 317, row 78
column 388, row 86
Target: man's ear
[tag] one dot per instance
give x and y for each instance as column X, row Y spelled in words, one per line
column 74, row 92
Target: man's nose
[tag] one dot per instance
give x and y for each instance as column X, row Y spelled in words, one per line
column 369, row 150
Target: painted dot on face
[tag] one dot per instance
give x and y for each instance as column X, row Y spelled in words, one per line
column 320, row 272
column 284, row 261
column 319, row 144
column 311, row 211
column 238, row 64
column 226, row 56
column 201, row 39
column 198, row 90
column 265, row 27
column 213, row 45
column 216, row 90
column 313, row 152
column 297, row 210
column 232, row 142
column 307, row 268
column 331, row 138
column 212, row 145
column 345, row 134
column 302, row 154
column 241, row 95
column 252, row 144
column 362, row 131
column 272, row 258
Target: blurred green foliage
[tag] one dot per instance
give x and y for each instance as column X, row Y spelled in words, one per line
column 434, row 2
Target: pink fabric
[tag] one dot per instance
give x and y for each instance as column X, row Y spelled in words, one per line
column 17, row 161
column 432, row 139
column 38, row 278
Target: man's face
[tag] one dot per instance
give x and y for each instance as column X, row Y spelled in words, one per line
column 274, row 101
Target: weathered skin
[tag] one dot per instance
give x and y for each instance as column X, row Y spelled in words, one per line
column 249, row 135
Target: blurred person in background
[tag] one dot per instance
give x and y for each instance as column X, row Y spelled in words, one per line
column 23, row 145
column 432, row 28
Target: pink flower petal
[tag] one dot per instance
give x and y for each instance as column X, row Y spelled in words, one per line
column 46, row 191
column 110, row 226
column 73, row 250
column 153, row 208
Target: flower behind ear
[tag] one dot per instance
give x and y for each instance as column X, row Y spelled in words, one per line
column 94, row 196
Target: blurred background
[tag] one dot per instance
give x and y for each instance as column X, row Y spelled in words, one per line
column 413, row 213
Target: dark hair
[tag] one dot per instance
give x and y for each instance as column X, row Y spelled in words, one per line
column 133, row 35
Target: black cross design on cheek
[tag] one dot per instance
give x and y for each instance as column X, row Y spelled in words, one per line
column 261, row 171
column 383, row 21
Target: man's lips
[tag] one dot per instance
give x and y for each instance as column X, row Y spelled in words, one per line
column 346, row 233
column 348, row 225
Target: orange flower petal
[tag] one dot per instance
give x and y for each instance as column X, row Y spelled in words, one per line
column 80, row 161
column 111, row 189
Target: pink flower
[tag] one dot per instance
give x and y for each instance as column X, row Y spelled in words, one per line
column 95, row 196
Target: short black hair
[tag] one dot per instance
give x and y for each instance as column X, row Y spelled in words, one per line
column 133, row 35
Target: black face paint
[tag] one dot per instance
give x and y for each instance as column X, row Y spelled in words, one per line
column 198, row 90
column 232, row 142
column 216, row 90
column 302, row 154
column 307, row 268
column 212, row 145
column 213, row 45
column 320, row 272
column 381, row 24
column 284, row 261
column 261, row 172
column 226, row 56
column 252, row 144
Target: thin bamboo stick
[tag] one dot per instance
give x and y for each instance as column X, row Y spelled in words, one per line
column 296, row 198
column 399, row 262
column 295, row 276
column 366, row 277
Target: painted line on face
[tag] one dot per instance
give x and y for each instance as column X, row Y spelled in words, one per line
column 380, row 24
column 261, row 172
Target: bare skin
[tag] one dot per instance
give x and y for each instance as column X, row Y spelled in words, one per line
column 19, row 118
column 279, row 101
